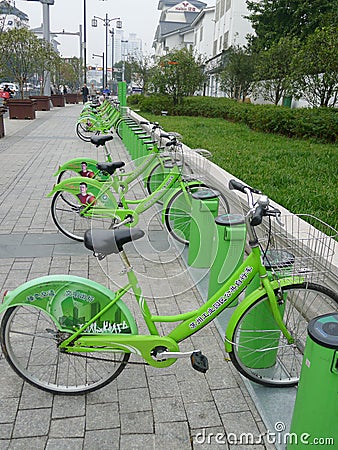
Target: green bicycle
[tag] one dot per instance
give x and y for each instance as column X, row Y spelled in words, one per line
column 79, row 203
column 69, row 335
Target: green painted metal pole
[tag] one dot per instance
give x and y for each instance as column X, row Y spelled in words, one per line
column 204, row 209
column 228, row 249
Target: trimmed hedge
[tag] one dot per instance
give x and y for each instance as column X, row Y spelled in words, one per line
column 319, row 124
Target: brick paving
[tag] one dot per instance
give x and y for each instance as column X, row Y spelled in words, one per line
column 145, row 408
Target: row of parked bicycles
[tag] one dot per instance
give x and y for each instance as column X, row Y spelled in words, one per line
column 70, row 335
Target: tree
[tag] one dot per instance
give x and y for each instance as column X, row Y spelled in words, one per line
column 142, row 71
column 19, row 55
column 274, row 19
column 274, row 70
column 238, row 74
column 178, row 74
column 316, row 68
column 46, row 60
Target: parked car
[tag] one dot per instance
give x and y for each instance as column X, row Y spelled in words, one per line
column 12, row 86
column 28, row 87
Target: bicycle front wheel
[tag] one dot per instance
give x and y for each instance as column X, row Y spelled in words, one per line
column 67, row 216
column 29, row 341
column 84, row 131
column 177, row 215
column 261, row 352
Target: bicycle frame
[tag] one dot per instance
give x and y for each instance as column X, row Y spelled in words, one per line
column 105, row 204
column 191, row 322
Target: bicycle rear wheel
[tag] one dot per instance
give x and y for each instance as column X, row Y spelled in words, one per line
column 29, row 341
column 259, row 349
column 66, row 214
column 177, row 215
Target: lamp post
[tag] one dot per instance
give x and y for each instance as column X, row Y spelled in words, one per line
column 123, row 49
column 106, row 21
column 101, row 56
column 85, row 41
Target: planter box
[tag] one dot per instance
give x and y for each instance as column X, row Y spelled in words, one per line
column 72, row 98
column 21, row 109
column 58, row 100
column 42, row 102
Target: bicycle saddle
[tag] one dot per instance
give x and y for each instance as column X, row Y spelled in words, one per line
column 100, row 139
column 106, row 242
column 110, row 167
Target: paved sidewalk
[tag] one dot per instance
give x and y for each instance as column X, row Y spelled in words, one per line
column 145, row 408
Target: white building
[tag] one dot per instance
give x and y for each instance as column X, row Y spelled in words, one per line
column 174, row 29
column 209, row 30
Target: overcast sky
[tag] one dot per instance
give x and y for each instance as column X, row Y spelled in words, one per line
column 138, row 16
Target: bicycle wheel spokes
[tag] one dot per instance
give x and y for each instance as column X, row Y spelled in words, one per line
column 30, row 343
column 261, row 352
column 69, row 218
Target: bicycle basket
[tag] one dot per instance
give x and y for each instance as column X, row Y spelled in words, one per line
column 304, row 247
column 197, row 160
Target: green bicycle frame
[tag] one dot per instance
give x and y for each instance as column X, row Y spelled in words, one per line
column 105, row 203
column 191, row 321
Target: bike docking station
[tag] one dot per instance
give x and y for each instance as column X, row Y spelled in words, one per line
column 315, row 415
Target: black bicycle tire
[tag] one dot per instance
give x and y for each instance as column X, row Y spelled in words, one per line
column 8, row 351
column 260, row 375
column 83, row 137
column 56, row 221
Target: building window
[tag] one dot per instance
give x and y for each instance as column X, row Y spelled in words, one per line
column 222, row 8
column 201, row 33
column 228, row 5
column 226, row 40
column 217, row 10
column 215, row 48
column 220, row 43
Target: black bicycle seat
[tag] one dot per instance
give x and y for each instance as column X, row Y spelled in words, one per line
column 110, row 167
column 105, row 242
column 101, row 139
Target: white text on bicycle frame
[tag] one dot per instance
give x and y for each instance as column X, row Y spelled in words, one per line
column 243, row 276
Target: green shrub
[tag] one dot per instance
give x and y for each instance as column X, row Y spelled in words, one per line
column 319, row 124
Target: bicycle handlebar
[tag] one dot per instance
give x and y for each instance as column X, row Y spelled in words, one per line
column 259, row 209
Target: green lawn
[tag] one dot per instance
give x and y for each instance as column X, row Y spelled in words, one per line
column 298, row 174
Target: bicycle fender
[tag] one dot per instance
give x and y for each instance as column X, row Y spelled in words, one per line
column 247, row 302
column 75, row 166
column 72, row 301
column 104, row 198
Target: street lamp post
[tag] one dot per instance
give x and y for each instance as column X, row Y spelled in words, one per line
column 101, row 56
column 123, row 57
column 106, row 21
column 85, row 41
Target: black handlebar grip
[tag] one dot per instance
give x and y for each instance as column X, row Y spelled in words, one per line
column 236, row 185
column 257, row 216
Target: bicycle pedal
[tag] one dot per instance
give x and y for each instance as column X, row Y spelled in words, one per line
column 199, row 362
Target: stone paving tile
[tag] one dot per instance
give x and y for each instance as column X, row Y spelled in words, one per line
column 65, row 444
column 64, row 406
column 36, row 443
column 102, row 440
column 133, row 400
column 138, row 442
column 169, row 409
column 137, row 422
column 32, row 423
column 176, row 436
column 67, row 427
column 103, row 417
